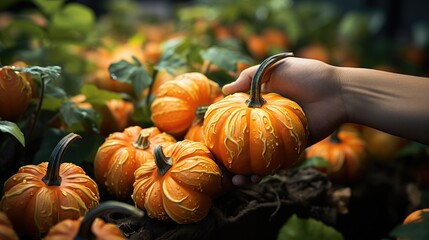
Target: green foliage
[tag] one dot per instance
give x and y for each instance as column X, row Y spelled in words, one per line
column 97, row 96
column 224, row 58
column 13, row 129
column 313, row 162
column 133, row 73
column 413, row 230
column 307, row 229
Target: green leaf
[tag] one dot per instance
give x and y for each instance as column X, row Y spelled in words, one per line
column 20, row 29
column 413, row 230
column 97, row 96
column 49, row 6
column 51, row 103
column 135, row 74
column 73, row 22
column 307, row 229
column 75, row 117
column 224, row 58
column 12, row 128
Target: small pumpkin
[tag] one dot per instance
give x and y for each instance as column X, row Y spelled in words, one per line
column 15, row 93
column 381, row 145
column 346, row 154
column 179, row 184
column 6, row 229
column 195, row 132
column 122, row 153
column 39, row 196
column 256, row 133
column 173, row 109
column 91, row 226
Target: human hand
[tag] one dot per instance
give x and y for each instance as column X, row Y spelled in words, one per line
column 311, row 83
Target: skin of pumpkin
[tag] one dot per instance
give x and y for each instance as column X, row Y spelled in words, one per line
column 195, row 132
column 184, row 193
column 15, row 93
column 68, row 229
column 118, row 157
column 347, row 159
column 173, row 109
column 255, row 140
column 33, row 206
column 6, row 229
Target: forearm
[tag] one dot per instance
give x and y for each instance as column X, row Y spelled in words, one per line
column 394, row 103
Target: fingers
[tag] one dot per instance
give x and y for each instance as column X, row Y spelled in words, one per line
column 242, row 84
column 241, row 180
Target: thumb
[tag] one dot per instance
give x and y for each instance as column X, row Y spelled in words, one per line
column 243, row 82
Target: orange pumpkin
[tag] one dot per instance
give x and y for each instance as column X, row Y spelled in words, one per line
column 122, row 153
column 6, row 229
column 382, row 146
column 39, row 196
column 256, row 134
column 91, row 226
column 346, row 153
column 173, row 110
column 179, row 184
column 15, row 93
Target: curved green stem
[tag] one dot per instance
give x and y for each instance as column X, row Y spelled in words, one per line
column 201, row 111
column 85, row 232
column 52, row 177
column 256, row 99
column 162, row 162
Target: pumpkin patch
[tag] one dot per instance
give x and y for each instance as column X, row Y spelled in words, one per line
column 163, row 153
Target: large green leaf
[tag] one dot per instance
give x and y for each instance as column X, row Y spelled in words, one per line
column 413, row 230
column 224, row 58
column 12, row 128
column 135, row 74
column 307, row 229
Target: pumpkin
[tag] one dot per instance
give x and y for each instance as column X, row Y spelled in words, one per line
column 6, row 229
column 122, row 153
column 39, row 196
column 179, row 184
column 173, row 109
column 15, row 93
column 346, row 154
column 381, row 145
column 257, row 133
column 91, row 226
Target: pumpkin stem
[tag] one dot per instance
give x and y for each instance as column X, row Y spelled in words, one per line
column 162, row 162
column 85, row 232
column 201, row 111
column 142, row 141
column 334, row 137
column 256, row 99
column 52, row 177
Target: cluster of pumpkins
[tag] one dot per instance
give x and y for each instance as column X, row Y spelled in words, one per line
column 248, row 134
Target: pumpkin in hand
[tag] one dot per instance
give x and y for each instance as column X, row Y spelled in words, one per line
column 346, row 154
column 173, row 109
column 179, row 184
column 91, row 226
column 257, row 133
column 39, row 196
column 122, row 153
column 6, row 229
